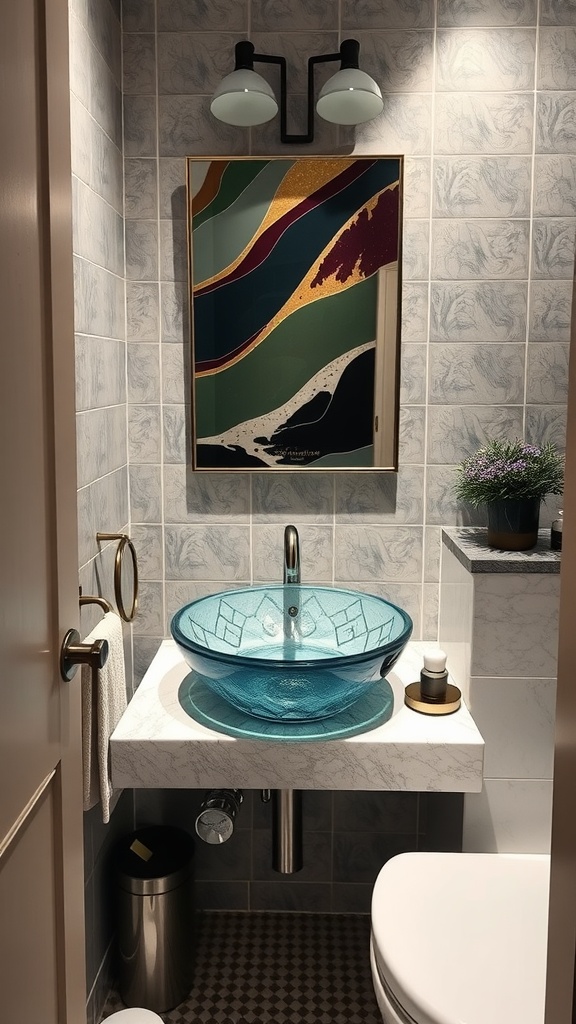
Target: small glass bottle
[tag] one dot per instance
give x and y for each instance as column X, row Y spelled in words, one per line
column 556, row 533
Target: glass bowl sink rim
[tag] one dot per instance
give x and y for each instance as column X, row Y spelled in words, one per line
column 248, row 661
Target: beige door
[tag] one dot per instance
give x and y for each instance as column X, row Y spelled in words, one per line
column 42, row 979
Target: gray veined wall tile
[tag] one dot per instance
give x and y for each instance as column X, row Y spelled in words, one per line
column 553, row 248
column 200, row 16
column 145, row 494
column 80, row 47
column 557, row 58
column 139, row 64
column 148, row 543
column 175, row 375
column 175, row 325
column 430, row 611
column 550, row 310
column 102, row 505
column 142, row 311
column 194, row 62
column 475, row 374
column 417, row 187
column 546, row 424
column 100, row 372
column 186, row 128
column 138, row 16
column 100, row 442
column 480, row 249
column 106, row 100
column 141, row 250
column 404, row 126
column 140, row 125
column 558, row 12
column 387, row 14
column 478, row 311
column 496, row 186
column 497, row 60
column 151, row 609
column 547, row 374
column 462, row 13
column 296, row 47
column 277, row 15
column 82, row 128
column 399, row 61
column 143, row 366
column 172, row 188
column 378, row 553
column 411, row 433
column 205, row 497
column 265, row 138
column 98, row 301
column 106, row 168
column 175, row 433
column 415, row 250
column 173, row 250
column 316, row 552
column 441, row 504
column 555, row 186
column 381, row 497
column 181, row 592
column 207, row 552
column 432, row 553
column 97, row 229
column 414, row 312
column 302, row 497
column 454, row 432
column 413, row 375
column 489, row 123
column 406, row 595
column 556, row 122
column 144, row 433
column 141, row 189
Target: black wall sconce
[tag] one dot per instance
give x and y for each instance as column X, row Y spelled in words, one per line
column 244, row 98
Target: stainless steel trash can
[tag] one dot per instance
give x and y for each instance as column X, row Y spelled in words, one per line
column 154, row 917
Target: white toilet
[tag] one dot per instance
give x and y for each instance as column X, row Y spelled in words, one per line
column 133, row 1015
column 460, row 938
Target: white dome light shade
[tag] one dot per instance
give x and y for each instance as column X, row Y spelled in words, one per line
column 350, row 97
column 244, row 98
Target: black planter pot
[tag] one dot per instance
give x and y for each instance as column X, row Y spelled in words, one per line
column 513, row 523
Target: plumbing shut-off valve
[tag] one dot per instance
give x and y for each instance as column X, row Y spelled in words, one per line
column 215, row 821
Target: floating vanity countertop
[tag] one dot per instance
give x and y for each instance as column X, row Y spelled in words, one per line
column 157, row 745
column 469, row 545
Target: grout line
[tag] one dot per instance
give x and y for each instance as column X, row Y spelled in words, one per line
column 531, row 228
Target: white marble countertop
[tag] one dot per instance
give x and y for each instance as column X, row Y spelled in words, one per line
column 157, row 745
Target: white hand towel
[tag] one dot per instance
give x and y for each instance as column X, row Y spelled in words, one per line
column 103, row 702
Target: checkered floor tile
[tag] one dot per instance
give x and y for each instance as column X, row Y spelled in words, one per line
column 278, row 968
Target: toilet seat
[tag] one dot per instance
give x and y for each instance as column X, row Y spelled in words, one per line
column 460, row 938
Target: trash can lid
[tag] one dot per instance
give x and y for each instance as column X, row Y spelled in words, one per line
column 154, row 859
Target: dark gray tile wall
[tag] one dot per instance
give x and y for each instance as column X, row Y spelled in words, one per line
column 347, row 837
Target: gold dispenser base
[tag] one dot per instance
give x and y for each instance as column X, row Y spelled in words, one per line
column 445, row 705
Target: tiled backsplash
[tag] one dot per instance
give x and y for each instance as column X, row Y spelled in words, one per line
column 476, row 95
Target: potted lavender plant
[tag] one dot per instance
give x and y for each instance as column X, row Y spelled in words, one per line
column 511, row 478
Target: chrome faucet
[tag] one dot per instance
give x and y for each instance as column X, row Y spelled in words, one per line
column 291, row 555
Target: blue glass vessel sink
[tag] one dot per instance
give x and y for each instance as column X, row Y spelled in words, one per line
column 291, row 652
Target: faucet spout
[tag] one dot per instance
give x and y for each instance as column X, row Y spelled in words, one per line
column 291, row 555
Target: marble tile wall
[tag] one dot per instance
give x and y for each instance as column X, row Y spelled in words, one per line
column 481, row 99
column 500, row 631
column 98, row 238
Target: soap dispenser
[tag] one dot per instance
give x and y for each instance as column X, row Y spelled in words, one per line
column 433, row 695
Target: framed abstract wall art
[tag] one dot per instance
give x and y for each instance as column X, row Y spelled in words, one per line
column 294, row 288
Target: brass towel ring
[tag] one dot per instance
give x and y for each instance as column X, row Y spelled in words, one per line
column 125, row 542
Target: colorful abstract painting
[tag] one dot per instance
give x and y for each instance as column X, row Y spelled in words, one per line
column 294, row 287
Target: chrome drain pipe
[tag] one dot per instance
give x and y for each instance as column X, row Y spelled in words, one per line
column 218, row 810
column 287, row 831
